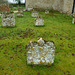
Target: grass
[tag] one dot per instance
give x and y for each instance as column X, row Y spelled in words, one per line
column 58, row 28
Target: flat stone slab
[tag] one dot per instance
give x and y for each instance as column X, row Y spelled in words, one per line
column 39, row 22
column 40, row 52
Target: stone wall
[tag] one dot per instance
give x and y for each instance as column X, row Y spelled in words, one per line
column 64, row 6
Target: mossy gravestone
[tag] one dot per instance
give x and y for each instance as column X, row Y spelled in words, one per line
column 39, row 21
column 8, row 19
column 40, row 52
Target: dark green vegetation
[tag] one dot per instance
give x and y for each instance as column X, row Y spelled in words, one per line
column 58, row 28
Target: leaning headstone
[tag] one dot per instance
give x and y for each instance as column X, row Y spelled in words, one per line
column 8, row 19
column 39, row 21
column 41, row 52
column 73, row 18
column 46, row 12
column 34, row 14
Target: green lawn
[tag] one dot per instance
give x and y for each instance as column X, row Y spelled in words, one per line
column 58, row 28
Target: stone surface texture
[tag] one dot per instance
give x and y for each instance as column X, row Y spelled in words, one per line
column 8, row 19
column 39, row 21
column 40, row 52
column 64, row 6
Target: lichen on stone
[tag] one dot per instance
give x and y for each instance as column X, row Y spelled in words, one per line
column 40, row 52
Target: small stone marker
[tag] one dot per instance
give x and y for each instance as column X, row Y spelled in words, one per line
column 29, row 9
column 40, row 52
column 73, row 18
column 8, row 19
column 34, row 14
column 46, row 12
column 20, row 12
column 39, row 21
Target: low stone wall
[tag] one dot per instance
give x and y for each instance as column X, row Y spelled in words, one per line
column 8, row 19
column 64, row 6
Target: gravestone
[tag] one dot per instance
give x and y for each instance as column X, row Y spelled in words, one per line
column 4, row 8
column 41, row 52
column 20, row 12
column 8, row 19
column 34, row 14
column 73, row 18
column 39, row 21
column 46, row 12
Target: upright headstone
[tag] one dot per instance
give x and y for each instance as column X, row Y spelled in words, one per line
column 8, row 19
column 40, row 52
column 73, row 18
column 39, row 21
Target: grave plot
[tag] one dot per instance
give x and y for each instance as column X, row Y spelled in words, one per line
column 8, row 19
column 39, row 21
column 34, row 14
column 20, row 12
column 73, row 21
column 40, row 52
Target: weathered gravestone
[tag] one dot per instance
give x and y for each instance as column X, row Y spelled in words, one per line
column 4, row 8
column 40, row 52
column 46, row 12
column 20, row 12
column 39, row 21
column 73, row 18
column 8, row 19
column 34, row 13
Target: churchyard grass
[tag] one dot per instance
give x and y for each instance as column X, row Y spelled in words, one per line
column 58, row 28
